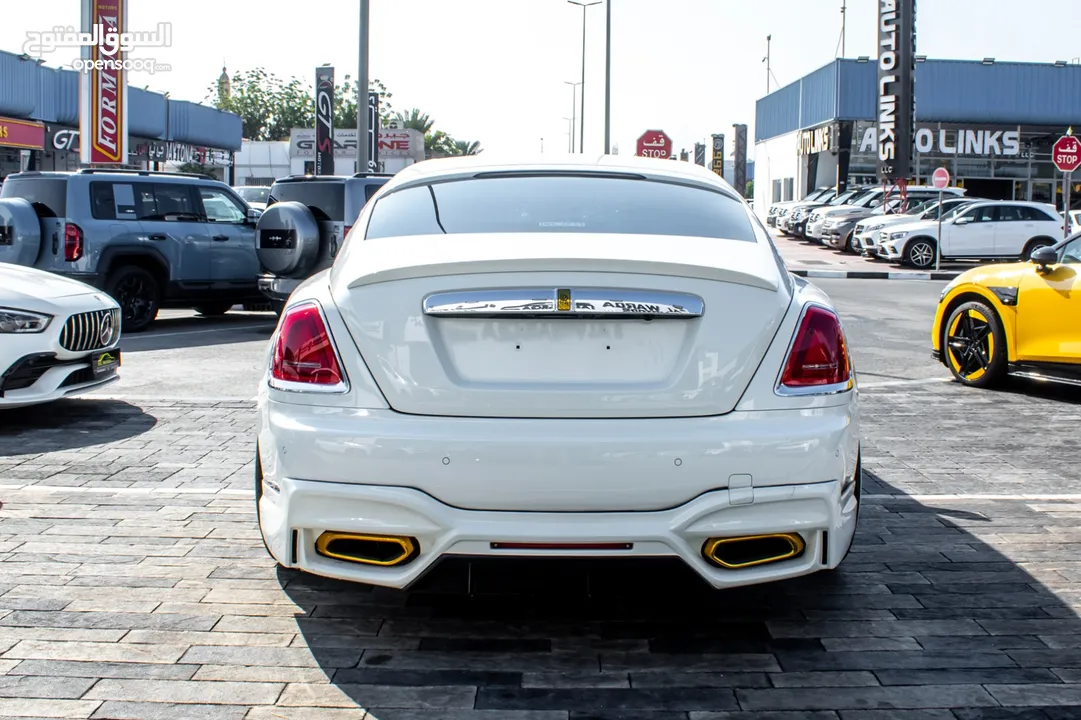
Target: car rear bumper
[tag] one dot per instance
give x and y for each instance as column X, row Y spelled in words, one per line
column 276, row 288
column 458, row 485
column 295, row 513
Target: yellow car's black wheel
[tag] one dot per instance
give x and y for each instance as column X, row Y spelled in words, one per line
column 975, row 345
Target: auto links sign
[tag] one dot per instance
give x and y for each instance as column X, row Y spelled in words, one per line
column 816, row 140
column 960, row 141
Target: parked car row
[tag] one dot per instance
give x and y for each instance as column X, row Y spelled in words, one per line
column 153, row 240
column 867, row 221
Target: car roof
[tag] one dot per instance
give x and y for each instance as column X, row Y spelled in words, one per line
column 332, row 178
column 469, row 165
column 112, row 173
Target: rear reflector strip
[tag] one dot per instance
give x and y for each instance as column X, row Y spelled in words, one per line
column 561, row 546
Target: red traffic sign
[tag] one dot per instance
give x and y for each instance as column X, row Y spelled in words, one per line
column 1067, row 153
column 940, row 178
column 655, row 144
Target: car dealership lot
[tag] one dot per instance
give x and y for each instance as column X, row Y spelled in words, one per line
column 133, row 583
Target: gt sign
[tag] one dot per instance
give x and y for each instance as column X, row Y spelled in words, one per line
column 1067, row 154
column 655, row 144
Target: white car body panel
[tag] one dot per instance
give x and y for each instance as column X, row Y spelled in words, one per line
column 23, row 288
column 447, row 436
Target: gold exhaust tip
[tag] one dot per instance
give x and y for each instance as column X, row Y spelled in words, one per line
column 379, row 550
column 736, row 553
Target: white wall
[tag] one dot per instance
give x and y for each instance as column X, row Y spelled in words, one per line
column 774, row 159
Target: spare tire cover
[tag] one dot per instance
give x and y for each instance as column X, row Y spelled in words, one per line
column 287, row 238
column 20, row 232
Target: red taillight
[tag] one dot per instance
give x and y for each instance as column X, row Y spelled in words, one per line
column 818, row 356
column 73, row 242
column 347, row 229
column 304, row 352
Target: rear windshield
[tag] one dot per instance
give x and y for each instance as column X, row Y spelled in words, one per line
column 47, row 195
column 560, row 203
column 327, row 199
column 253, row 194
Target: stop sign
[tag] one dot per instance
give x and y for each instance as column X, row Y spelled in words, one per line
column 940, row 178
column 655, row 144
column 1067, row 154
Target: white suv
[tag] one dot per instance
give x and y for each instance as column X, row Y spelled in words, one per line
column 980, row 231
column 866, row 235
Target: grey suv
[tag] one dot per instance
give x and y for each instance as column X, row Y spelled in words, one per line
column 148, row 239
column 305, row 223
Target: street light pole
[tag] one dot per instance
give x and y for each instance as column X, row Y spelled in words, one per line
column 574, row 108
column 769, row 39
column 582, row 115
column 362, row 92
column 608, row 79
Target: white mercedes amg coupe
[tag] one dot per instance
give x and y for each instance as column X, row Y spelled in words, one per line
column 597, row 357
column 58, row 337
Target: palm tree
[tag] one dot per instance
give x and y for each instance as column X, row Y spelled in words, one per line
column 416, row 120
column 467, row 147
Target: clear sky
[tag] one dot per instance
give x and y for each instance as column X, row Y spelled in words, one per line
column 494, row 70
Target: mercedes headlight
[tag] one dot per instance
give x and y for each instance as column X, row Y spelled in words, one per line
column 874, row 228
column 897, row 235
column 22, row 321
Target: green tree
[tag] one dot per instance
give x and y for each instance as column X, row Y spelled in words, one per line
column 467, row 147
column 750, row 189
column 196, row 169
column 269, row 107
column 415, row 120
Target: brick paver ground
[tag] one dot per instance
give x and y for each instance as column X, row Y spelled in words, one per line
column 133, row 585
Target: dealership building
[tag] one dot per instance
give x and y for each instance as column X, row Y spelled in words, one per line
column 39, row 124
column 991, row 124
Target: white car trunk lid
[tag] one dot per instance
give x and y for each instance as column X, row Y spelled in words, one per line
column 561, row 326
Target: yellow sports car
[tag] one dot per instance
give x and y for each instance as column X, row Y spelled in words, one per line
column 1021, row 319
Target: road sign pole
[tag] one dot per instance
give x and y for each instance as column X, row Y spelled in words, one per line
column 938, row 243
column 1066, row 204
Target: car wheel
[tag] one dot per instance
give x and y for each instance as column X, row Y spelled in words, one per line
column 1034, row 245
column 213, row 310
column 136, row 291
column 975, row 345
column 852, row 246
column 920, row 253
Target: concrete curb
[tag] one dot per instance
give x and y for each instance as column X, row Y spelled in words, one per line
column 874, row 274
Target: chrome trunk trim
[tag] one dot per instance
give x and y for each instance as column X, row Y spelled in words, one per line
column 564, row 302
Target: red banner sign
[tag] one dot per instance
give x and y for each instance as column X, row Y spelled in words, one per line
column 103, row 116
column 21, row 134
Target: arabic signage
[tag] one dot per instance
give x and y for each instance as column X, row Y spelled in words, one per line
column 324, row 120
column 960, row 141
column 103, row 88
column 21, row 134
column 718, row 155
column 392, row 143
column 65, row 139
column 816, row 140
column 373, row 123
column 655, row 144
column 896, row 93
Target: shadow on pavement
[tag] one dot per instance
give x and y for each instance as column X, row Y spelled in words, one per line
column 70, row 425
column 924, row 621
column 190, row 331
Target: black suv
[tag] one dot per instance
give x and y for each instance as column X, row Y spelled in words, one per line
column 305, row 223
column 148, row 239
